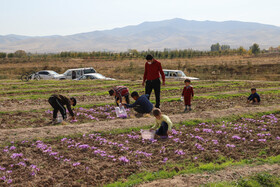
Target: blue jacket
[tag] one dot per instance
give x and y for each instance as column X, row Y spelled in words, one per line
column 253, row 96
column 144, row 102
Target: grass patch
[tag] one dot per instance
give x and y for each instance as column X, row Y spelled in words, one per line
column 262, row 179
column 189, row 169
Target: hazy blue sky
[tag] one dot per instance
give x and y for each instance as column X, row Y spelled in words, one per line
column 64, row 17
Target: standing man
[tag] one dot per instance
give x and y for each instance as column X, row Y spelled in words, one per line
column 153, row 70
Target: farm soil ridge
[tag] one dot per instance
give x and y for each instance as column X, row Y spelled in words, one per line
column 228, row 174
column 29, row 104
column 54, row 131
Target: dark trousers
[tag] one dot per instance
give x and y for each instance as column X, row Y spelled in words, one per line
column 57, row 106
column 162, row 131
column 153, row 84
column 126, row 99
column 139, row 109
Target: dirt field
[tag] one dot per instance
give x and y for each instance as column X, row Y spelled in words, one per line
column 264, row 67
column 109, row 151
column 97, row 159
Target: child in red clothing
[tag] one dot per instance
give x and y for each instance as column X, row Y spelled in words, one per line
column 187, row 94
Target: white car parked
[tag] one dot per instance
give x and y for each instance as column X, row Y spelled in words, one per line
column 48, row 74
column 177, row 74
column 76, row 73
column 92, row 76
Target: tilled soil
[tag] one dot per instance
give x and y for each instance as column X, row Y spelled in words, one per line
column 97, row 159
column 7, row 104
column 41, row 119
column 54, row 131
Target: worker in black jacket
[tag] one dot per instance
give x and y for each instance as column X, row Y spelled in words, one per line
column 58, row 102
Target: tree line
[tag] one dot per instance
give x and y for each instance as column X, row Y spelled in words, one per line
column 216, row 50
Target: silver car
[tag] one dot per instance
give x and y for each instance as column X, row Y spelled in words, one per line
column 76, row 73
column 48, row 74
column 177, row 74
column 93, row 76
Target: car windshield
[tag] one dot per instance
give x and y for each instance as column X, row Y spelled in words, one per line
column 87, row 71
column 181, row 74
column 99, row 76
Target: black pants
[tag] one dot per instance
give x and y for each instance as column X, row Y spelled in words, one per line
column 57, row 106
column 153, row 84
column 162, row 131
column 126, row 100
column 139, row 109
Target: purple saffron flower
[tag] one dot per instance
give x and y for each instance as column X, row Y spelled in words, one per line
column 198, row 146
column 16, row 155
column 165, row 160
column 199, row 138
column 230, row 145
column 262, row 140
column 53, row 153
column 84, row 146
column 2, row 168
column 12, row 148
column 124, row 159
column 236, row 137
column 21, row 164
column 207, row 130
column 9, row 181
column 63, row 139
column 179, row 152
column 76, row 164
column 5, row 150
column 215, row 141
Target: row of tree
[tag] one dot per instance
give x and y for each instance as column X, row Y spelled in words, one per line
column 255, row 48
column 216, row 50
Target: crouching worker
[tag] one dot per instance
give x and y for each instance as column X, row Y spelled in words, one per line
column 142, row 104
column 163, row 124
column 119, row 92
column 254, row 98
column 58, row 102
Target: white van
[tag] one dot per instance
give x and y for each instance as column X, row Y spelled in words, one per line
column 76, row 73
column 177, row 75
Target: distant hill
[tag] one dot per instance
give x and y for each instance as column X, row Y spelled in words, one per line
column 173, row 34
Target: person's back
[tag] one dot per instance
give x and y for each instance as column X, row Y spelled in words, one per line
column 145, row 102
column 142, row 103
column 62, row 99
column 121, row 91
column 58, row 101
column 118, row 92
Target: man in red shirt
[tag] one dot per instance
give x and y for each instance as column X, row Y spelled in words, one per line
column 153, row 70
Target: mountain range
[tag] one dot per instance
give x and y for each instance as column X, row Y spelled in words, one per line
column 172, row 34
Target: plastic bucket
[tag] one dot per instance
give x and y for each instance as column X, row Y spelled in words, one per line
column 147, row 134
